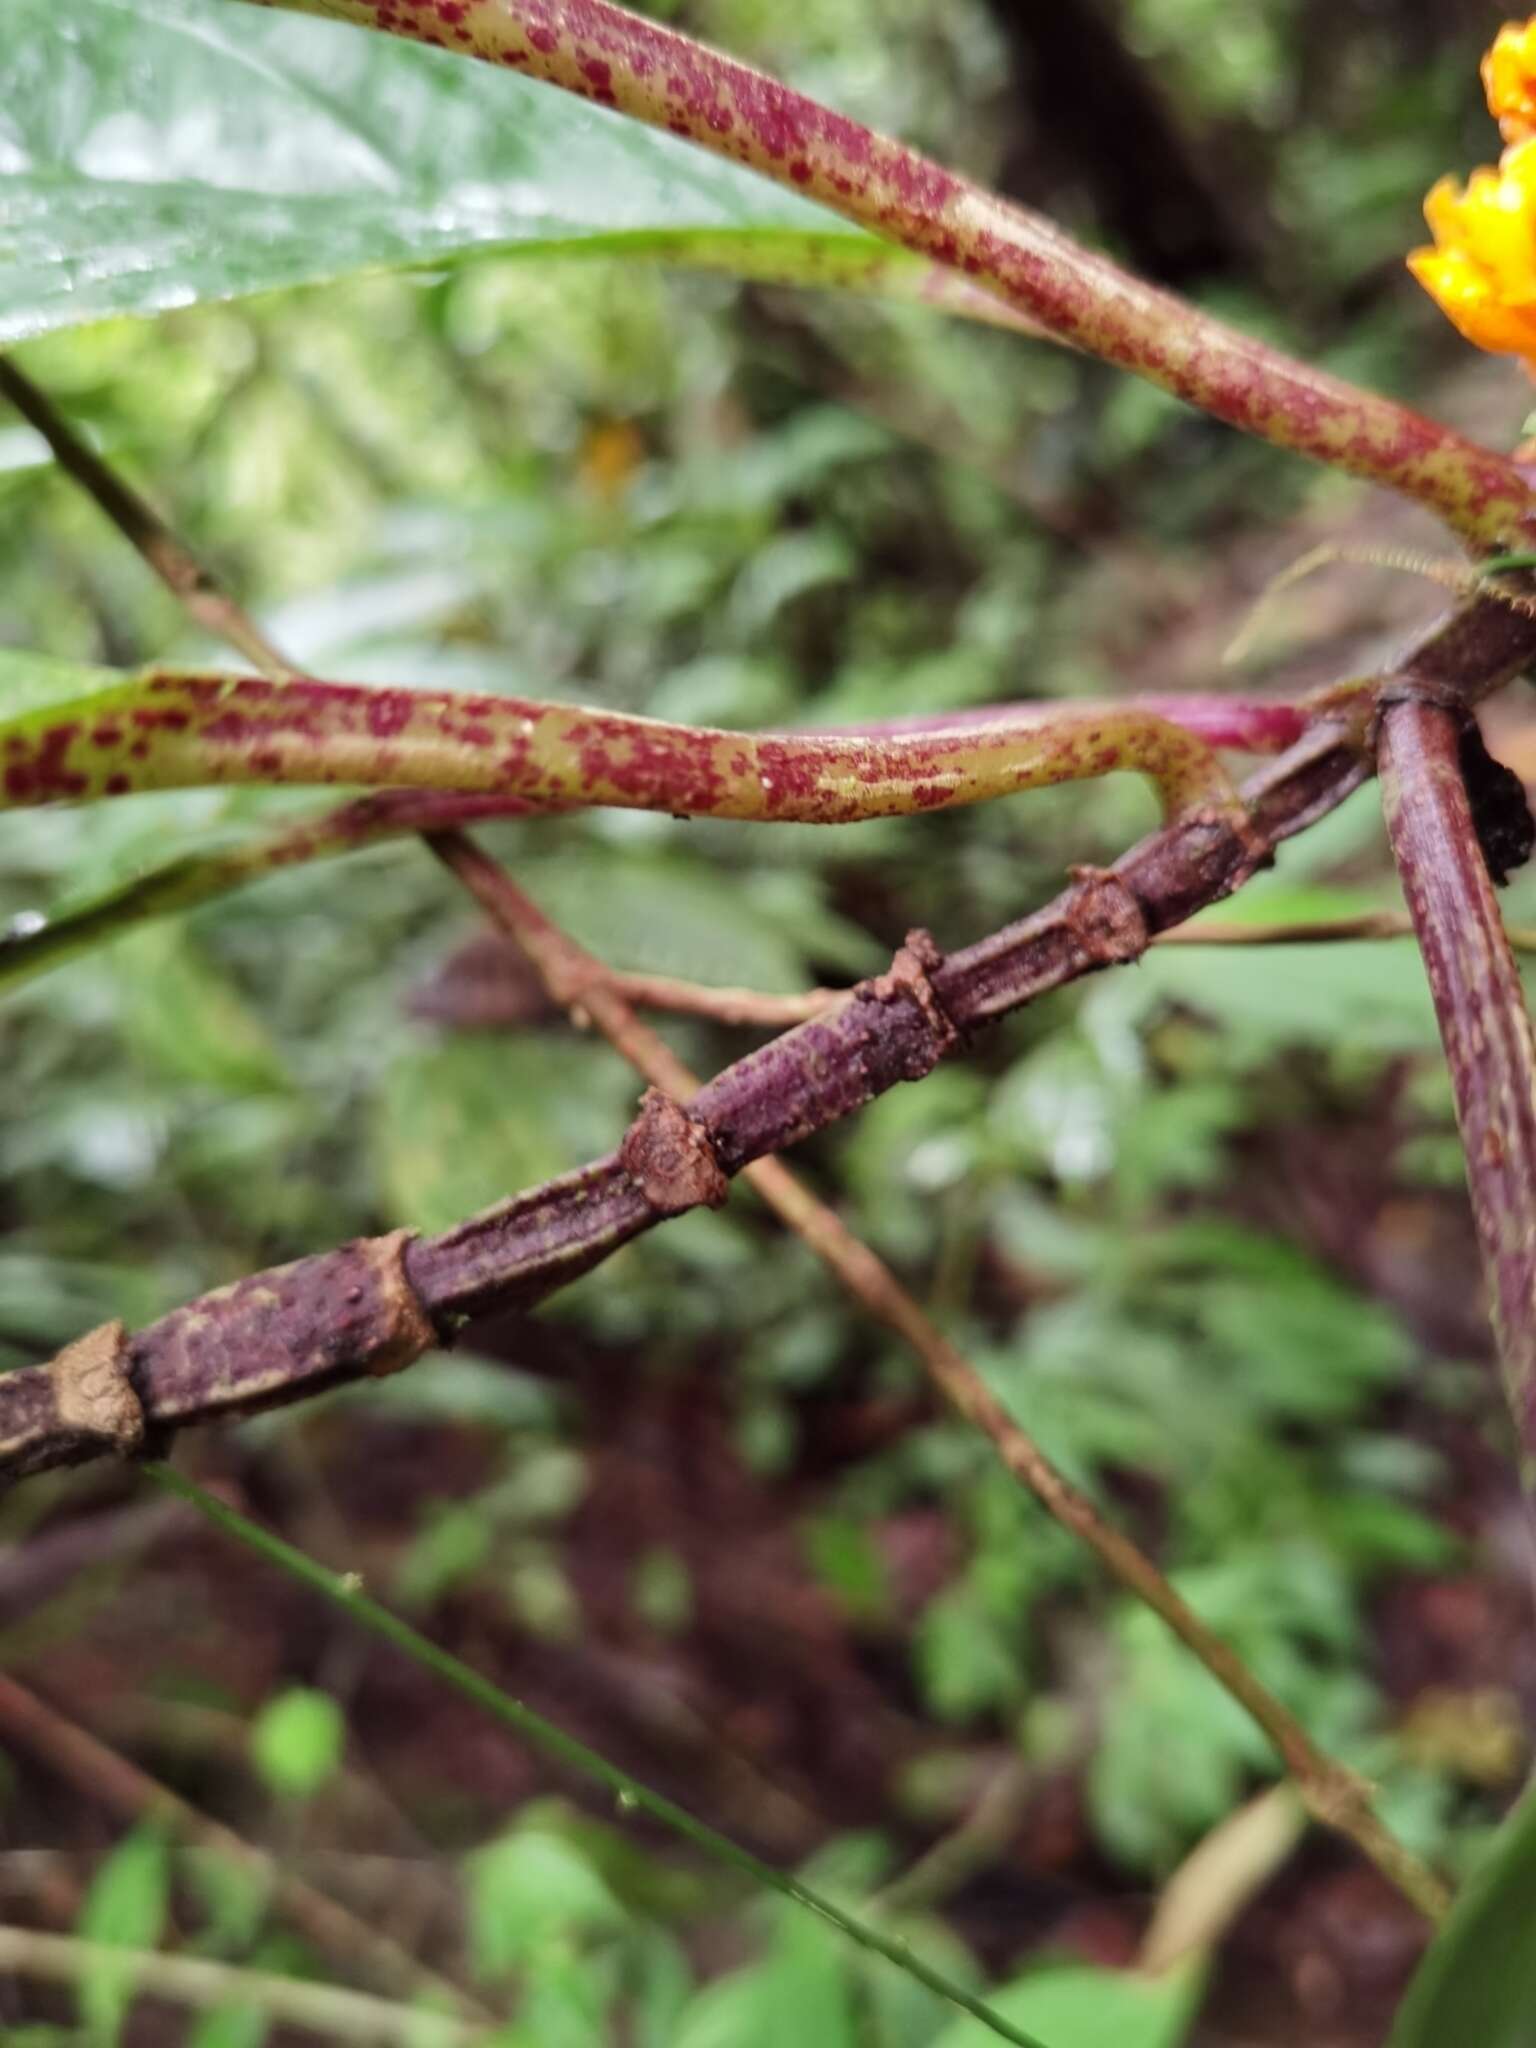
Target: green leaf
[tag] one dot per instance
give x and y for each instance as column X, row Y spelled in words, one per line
column 803, row 1992
column 965, row 1658
column 297, row 1740
column 1478, row 1981
column 525, row 1891
column 231, row 2026
column 464, row 1124
column 35, row 682
column 664, row 915
column 124, row 1908
column 162, row 152
column 186, row 1021
column 1074, row 2006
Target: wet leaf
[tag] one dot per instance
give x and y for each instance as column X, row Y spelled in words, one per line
column 162, row 152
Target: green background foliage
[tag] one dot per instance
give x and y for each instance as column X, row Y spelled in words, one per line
column 1141, row 1204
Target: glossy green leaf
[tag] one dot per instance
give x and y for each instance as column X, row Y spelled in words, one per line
column 160, row 152
column 1478, row 1981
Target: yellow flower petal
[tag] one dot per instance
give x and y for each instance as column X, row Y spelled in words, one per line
column 1462, row 292
column 1482, row 270
column 1509, row 79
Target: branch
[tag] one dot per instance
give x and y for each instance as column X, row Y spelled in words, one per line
column 1483, row 1019
column 755, row 1009
column 604, row 53
column 377, row 1304
column 34, row 943
column 168, row 729
column 195, row 1981
column 133, row 1795
column 1334, row 1795
column 196, row 587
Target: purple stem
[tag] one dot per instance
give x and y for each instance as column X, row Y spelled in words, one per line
column 1484, row 1023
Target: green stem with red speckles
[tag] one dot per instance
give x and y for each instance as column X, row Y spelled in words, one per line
column 34, row 943
column 163, row 729
column 619, row 59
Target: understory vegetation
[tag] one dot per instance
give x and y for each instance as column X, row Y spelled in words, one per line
column 1199, row 1222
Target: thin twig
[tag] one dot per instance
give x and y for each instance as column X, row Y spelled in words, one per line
column 196, row 1981
column 195, row 587
column 1335, row 1795
column 376, row 1304
column 134, row 1795
column 1489, row 1045
column 971, row 1846
column 342, row 1590
column 751, row 1008
column 1332, row 1793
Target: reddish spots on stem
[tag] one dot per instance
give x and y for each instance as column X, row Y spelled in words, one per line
column 388, row 713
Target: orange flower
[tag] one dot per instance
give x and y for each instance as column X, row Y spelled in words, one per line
column 1482, row 270
column 1509, row 79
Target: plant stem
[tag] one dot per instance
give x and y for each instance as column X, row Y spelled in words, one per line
column 197, row 1981
column 605, row 53
column 169, row 729
column 1333, row 1794
column 133, row 1795
column 196, row 588
column 373, row 1305
column 1484, row 1023
column 342, row 1590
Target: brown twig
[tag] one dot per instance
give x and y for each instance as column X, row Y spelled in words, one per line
column 1333, row 1794
column 134, row 1795
column 376, row 1305
column 196, row 588
column 1489, row 1045
column 751, row 1008
column 199, row 1982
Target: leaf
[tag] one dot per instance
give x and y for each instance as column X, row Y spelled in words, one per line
column 124, row 1908
column 527, row 1889
column 35, row 682
column 660, row 915
column 161, row 152
column 802, row 1991
column 296, row 1742
column 185, row 1019
column 230, row 2026
column 1478, row 1981
column 464, row 1124
column 1073, row 2006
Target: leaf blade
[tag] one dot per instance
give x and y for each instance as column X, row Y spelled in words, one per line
column 163, row 152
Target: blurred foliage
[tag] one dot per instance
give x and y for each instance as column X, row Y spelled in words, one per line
column 718, row 503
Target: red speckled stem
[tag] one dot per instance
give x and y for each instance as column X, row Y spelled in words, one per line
column 344, row 1314
column 35, row 942
column 1483, row 1020
column 167, row 730
column 621, row 60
